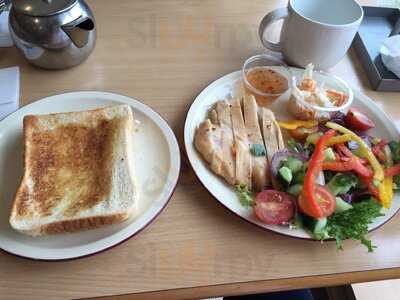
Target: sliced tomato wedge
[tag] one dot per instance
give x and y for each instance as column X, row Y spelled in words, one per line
column 302, row 133
column 326, row 201
column 274, row 207
column 358, row 120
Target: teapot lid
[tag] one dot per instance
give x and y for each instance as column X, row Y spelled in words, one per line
column 42, row 8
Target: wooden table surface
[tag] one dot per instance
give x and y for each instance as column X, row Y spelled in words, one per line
column 165, row 53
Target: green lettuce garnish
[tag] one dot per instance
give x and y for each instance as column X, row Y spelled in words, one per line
column 246, row 197
column 353, row 223
column 258, row 150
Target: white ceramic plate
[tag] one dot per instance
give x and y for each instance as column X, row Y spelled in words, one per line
column 229, row 86
column 157, row 163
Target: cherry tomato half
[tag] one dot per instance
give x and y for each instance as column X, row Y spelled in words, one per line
column 274, row 207
column 358, row 120
column 325, row 199
column 302, row 133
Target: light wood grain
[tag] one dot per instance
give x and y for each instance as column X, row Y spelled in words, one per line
column 383, row 290
column 257, row 287
column 165, row 53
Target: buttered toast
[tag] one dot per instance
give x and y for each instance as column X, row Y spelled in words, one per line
column 78, row 171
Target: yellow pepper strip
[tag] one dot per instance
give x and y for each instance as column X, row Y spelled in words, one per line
column 365, row 151
column 294, row 124
column 386, row 187
column 386, row 191
column 340, row 139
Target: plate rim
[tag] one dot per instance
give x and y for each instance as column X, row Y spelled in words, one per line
column 356, row 91
column 167, row 129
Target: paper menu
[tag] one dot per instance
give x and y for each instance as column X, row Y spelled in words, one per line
column 9, row 91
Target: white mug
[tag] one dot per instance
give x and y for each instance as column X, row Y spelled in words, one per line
column 317, row 31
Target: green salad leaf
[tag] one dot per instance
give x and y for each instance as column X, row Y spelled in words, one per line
column 295, row 146
column 299, row 176
column 258, row 150
column 396, row 182
column 246, row 197
column 395, row 149
column 353, row 223
column 342, row 183
column 313, row 138
column 298, row 147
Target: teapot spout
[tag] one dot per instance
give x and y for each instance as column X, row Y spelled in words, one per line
column 79, row 30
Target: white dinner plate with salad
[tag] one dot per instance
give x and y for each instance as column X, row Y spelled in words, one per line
column 157, row 158
column 229, row 87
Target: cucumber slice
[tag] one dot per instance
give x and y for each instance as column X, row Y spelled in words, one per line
column 298, row 221
column 293, row 163
column 329, row 154
column 286, row 174
column 320, row 224
column 295, row 189
column 316, row 226
column 342, row 205
column 313, row 138
column 342, row 183
column 298, row 177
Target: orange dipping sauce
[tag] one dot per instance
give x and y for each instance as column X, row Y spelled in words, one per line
column 265, row 84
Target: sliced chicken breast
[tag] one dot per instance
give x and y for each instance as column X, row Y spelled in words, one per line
column 207, row 141
column 213, row 115
column 214, row 140
column 242, row 150
column 272, row 136
column 223, row 112
column 260, row 170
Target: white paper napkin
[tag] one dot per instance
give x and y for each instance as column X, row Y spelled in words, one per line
column 390, row 53
column 9, row 91
column 5, row 38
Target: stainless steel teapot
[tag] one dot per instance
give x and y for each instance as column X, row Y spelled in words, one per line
column 53, row 34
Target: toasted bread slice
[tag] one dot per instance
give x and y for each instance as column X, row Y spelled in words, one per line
column 78, row 171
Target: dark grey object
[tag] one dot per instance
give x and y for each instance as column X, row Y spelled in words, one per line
column 53, row 34
column 4, row 4
column 378, row 24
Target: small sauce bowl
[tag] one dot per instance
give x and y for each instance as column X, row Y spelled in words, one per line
column 265, row 77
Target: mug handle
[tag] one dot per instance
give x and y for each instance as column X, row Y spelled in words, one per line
column 275, row 15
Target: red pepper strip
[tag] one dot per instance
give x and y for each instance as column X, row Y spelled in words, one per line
column 382, row 143
column 337, row 156
column 347, row 166
column 338, row 166
column 345, row 151
column 359, row 166
column 342, row 149
column 347, row 163
column 392, row 171
column 371, row 187
column 378, row 150
column 311, row 206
